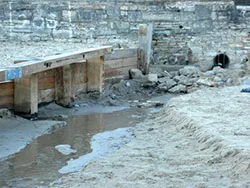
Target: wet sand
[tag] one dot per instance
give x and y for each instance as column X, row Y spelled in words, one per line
column 16, row 133
column 197, row 140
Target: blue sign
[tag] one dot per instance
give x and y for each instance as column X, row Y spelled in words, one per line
column 13, row 73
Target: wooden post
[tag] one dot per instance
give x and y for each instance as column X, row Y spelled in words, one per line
column 144, row 49
column 95, row 74
column 79, row 77
column 63, row 86
column 26, row 94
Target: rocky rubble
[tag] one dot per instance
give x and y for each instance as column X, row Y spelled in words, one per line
column 143, row 87
column 191, row 78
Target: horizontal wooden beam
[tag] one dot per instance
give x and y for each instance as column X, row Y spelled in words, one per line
column 30, row 67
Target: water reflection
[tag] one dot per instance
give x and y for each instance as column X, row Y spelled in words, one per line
column 39, row 162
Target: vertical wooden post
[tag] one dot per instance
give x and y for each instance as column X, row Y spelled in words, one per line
column 63, row 86
column 79, row 77
column 144, row 49
column 95, row 73
column 26, row 94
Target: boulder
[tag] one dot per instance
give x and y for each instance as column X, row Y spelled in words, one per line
column 189, row 71
column 152, row 78
column 178, row 89
column 206, row 82
column 217, row 79
column 135, row 73
column 184, row 80
column 166, row 83
column 218, row 70
column 208, row 73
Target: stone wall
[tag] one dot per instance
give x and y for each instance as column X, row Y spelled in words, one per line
column 184, row 31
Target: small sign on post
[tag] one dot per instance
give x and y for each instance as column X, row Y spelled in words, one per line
column 144, row 50
column 14, row 73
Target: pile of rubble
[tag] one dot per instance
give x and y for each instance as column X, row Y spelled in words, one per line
column 139, row 89
column 187, row 79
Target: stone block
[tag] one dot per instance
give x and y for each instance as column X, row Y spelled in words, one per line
column 113, row 12
column 134, row 16
column 153, row 78
column 84, row 15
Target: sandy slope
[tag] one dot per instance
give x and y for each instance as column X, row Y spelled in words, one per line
column 198, row 140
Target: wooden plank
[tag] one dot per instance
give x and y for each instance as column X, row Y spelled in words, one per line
column 26, row 94
column 95, row 73
column 7, row 89
column 118, row 72
column 121, row 54
column 24, row 59
column 144, row 50
column 46, row 79
column 2, row 75
column 46, row 95
column 7, row 102
column 7, row 95
column 31, row 67
column 79, row 77
column 63, row 86
column 120, row 63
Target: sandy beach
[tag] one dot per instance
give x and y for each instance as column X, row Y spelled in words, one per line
column 197, row 140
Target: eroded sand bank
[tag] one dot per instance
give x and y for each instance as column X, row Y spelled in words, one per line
column 198, row 140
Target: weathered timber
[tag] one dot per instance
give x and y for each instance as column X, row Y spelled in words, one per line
column 79, row 77
column 31, row 67
column 144, row 49
column 7, row 95
column 63, row 86
column 118, row 67
column 26, row 94
column 119, row 63
column 46, row 95
column 46, row 79
column 2, row 74
column 119, row 71
column 95, row 74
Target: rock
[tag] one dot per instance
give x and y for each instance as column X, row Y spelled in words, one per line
column 189, row 71
column 150, row 104
column 135, row 73
column 178, row 89
column 65, row 149
column 163, row 80
column 166, row 83
column 218, row 70
column 206, row 82
column 152, row 78
column 128, row 84
column 63, row 116
column 245, row 81
column 150, row 129
column 229, row 81
column 112, row 102
column 165, row 74
column 208, row 73
column 217, row 79
column 5, row 113
column 184, row 80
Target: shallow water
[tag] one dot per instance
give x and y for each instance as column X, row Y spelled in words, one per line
column 38, row 164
